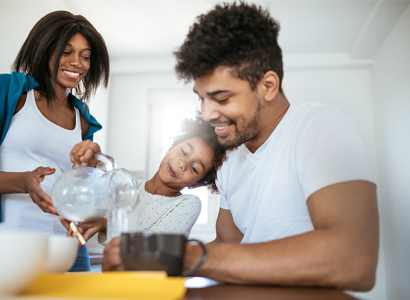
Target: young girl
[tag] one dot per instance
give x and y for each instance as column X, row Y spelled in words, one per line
column 192, row 161
column 41, row 120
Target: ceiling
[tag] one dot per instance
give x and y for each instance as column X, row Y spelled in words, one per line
column 143, row 28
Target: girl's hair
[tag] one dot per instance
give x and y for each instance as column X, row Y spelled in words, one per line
column 197, row 127
column 53, row 32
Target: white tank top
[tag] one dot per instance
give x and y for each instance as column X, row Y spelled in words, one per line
column 33, row 141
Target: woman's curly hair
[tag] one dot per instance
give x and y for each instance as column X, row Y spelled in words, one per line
column 241, row 36
column 197, row 127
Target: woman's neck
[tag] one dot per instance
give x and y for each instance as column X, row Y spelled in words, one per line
column 61, row 94
column 157, row 187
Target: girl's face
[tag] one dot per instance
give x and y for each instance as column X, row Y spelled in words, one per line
column 74, row 63
column 186, row 163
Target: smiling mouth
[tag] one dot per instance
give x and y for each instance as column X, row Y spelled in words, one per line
column 221, row 127
column 171, row 171
column 72, row 74
column 222, row 130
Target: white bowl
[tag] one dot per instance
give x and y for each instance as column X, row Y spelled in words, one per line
column 62, row 252
column 22, row 260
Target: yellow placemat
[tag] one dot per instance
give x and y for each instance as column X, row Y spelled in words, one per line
column 112, row 285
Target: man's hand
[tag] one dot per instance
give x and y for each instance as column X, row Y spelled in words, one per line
column 112, row 256
column 83, row 153
column 87, row 229
column 31, row 185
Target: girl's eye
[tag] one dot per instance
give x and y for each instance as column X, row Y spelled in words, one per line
column 183, row 152
column 193, row 168
column 66, row 52
column 86, row 58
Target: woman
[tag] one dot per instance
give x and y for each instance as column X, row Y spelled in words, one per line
column 41, row 120
column 192, row 161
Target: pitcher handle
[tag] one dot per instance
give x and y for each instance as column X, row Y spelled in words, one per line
column 107, row 160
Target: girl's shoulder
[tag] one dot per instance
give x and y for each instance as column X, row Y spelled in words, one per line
column 190, row 199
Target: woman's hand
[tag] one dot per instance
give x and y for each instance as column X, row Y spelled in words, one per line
column 87, row 229
column 83, row 153
column 31, row 185
column 112, row 256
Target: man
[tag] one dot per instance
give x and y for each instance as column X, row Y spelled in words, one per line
column 298, row 202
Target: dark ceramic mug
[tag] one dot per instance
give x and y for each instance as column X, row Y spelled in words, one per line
column 157, row 252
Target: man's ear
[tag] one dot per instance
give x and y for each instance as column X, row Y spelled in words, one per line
column 270, row 85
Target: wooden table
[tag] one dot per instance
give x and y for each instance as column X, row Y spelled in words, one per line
column 205, row 289
column 200, row 288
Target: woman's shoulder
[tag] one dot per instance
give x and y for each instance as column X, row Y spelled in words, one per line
column 4, row 84
column 18, row 80
column 13, row 89
column 5, row 77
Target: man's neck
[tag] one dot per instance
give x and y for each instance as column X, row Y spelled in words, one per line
column 271, row 116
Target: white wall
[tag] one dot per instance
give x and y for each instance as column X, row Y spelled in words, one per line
column 128, row 115
column 391, row 96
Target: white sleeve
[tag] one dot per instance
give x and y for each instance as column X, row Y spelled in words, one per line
column 223, row 202
column 330, row 150
column 181, row 218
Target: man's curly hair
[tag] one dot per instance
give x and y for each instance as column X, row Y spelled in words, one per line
column 237, row 35
column 197, row 127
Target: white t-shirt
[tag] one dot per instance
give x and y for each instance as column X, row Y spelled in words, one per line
column 33, row 141
column 313, row 146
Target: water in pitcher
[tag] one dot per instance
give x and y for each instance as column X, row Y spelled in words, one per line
column 83, row 213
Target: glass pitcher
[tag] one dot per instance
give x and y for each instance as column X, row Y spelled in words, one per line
column 84, row 194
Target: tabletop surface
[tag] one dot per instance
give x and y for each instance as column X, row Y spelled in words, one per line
column 200, row 288
column 203, row 289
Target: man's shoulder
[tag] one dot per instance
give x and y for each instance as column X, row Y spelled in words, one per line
column 310, row 115
column 310, row 109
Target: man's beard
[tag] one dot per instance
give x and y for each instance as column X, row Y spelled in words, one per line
column 250, row 130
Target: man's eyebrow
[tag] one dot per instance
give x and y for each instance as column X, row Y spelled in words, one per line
column 217, row 92
column 200, row 161
column 213, row 93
